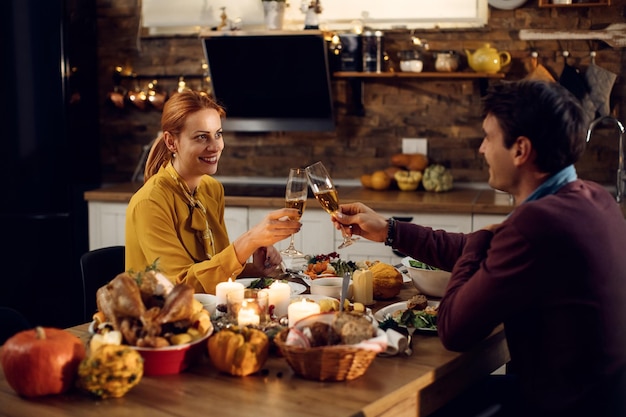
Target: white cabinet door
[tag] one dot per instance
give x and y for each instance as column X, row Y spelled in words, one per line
column 315, row 237
column 236, row 219
column 107, row 224
column 481, row 220
column 364, row 249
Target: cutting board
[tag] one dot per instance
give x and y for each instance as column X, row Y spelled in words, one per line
column 613, row 35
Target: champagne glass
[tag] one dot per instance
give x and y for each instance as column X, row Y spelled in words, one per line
column 295, row 197
column 326, row 194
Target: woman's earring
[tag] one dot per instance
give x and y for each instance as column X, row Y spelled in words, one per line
column 174, row 155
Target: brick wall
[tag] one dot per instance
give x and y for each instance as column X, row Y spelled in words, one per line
column 447, row 112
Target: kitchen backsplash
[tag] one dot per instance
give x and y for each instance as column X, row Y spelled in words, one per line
column 445, row 111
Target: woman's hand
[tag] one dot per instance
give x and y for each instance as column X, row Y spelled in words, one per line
column 267, row 260
column 276, row 226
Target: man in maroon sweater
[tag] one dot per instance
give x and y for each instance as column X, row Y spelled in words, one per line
column 554, row 272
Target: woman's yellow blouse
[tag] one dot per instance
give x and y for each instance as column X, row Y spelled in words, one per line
column 159, row 223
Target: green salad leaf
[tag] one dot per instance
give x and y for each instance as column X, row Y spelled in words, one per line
column 421, row 265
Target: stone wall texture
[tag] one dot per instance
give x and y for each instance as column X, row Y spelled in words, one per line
column 445, row 111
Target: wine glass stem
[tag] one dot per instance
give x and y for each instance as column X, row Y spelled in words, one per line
column 292, row 243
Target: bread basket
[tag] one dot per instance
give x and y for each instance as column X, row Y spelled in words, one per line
column 326, row 363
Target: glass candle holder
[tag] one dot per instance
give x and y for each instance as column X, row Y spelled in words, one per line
column 248, row 308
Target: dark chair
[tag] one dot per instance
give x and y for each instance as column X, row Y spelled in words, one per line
column 98, row 267
column 11, row 322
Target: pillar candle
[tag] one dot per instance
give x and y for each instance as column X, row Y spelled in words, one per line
column 279, row 297
column 301, row 309
column 363, row 284
column 224, row 288
column 247, row 316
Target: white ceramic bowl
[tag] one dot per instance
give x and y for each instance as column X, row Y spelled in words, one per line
column 208, row 301
column 330, row 287
column 428, row 282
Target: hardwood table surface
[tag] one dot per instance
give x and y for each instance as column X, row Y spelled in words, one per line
column 399, row 386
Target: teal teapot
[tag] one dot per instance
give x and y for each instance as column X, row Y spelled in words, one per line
column 487, row 59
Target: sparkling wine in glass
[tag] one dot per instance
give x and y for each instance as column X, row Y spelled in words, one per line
column 326, row 194
column 295, row 197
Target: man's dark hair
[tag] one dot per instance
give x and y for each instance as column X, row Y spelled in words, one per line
column 544, row 112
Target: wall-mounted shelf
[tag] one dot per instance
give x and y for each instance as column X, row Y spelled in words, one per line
column 548, row 3
column 450, row 75
column 357, row 79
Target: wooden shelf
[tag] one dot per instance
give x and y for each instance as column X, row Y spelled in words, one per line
column 548, row 3
column 448, row 75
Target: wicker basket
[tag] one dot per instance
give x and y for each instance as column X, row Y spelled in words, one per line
column 325, row 363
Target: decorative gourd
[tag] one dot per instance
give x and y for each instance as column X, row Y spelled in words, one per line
column 238, row 351
column 41, row 361
column 437, row 178
column 410, row 161
column 408, row 180
column 387, row 281
column 110, row 371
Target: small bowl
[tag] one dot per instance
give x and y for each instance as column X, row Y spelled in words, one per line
column 428, row 282
column 330, row 287
column 208, row 301
column 172, row 359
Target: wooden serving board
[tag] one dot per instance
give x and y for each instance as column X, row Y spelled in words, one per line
column 614, row 35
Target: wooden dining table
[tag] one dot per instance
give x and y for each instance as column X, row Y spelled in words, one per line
column 393, row 386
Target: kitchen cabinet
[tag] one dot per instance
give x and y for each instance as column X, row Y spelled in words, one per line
column 365, row 249
column 481, row 220
column 316, row 236
column 107, row 223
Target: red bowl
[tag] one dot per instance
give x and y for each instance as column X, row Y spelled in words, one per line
column 172, row 359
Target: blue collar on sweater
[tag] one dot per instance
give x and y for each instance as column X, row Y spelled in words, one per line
column 554, row 183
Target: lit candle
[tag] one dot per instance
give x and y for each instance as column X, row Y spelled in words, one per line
column 279, row 297
column 224, row 288
column 247, row 316
column 300, row 310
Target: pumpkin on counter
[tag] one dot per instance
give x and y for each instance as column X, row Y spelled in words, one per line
column 238, row 351
column 41, row 361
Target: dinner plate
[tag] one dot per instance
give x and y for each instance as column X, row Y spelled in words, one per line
column 392, row 308
column 312, row 297
column 295, row 287
column 506, row 4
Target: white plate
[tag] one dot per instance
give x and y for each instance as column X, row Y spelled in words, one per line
column 312, row 297
column 295, row 287
column 392, row 308
column 506, row 4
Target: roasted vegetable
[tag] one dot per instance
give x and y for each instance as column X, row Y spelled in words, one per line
column 239, row 351
column 437, row 178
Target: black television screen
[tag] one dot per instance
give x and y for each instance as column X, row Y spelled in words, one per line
column 271, row 82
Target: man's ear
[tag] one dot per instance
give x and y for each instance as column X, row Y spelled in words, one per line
column 523, row 151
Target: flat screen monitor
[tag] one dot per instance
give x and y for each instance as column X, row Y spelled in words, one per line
column 271, row 82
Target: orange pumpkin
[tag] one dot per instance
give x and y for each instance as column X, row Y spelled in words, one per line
column 41, row 361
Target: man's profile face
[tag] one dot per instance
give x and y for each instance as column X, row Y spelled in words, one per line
column 502, row 172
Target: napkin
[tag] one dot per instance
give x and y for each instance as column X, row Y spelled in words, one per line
column 396, row 343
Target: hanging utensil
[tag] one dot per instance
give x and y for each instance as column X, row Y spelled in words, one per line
column 613, row 35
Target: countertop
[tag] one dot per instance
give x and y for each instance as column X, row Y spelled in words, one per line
column 459, row 200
